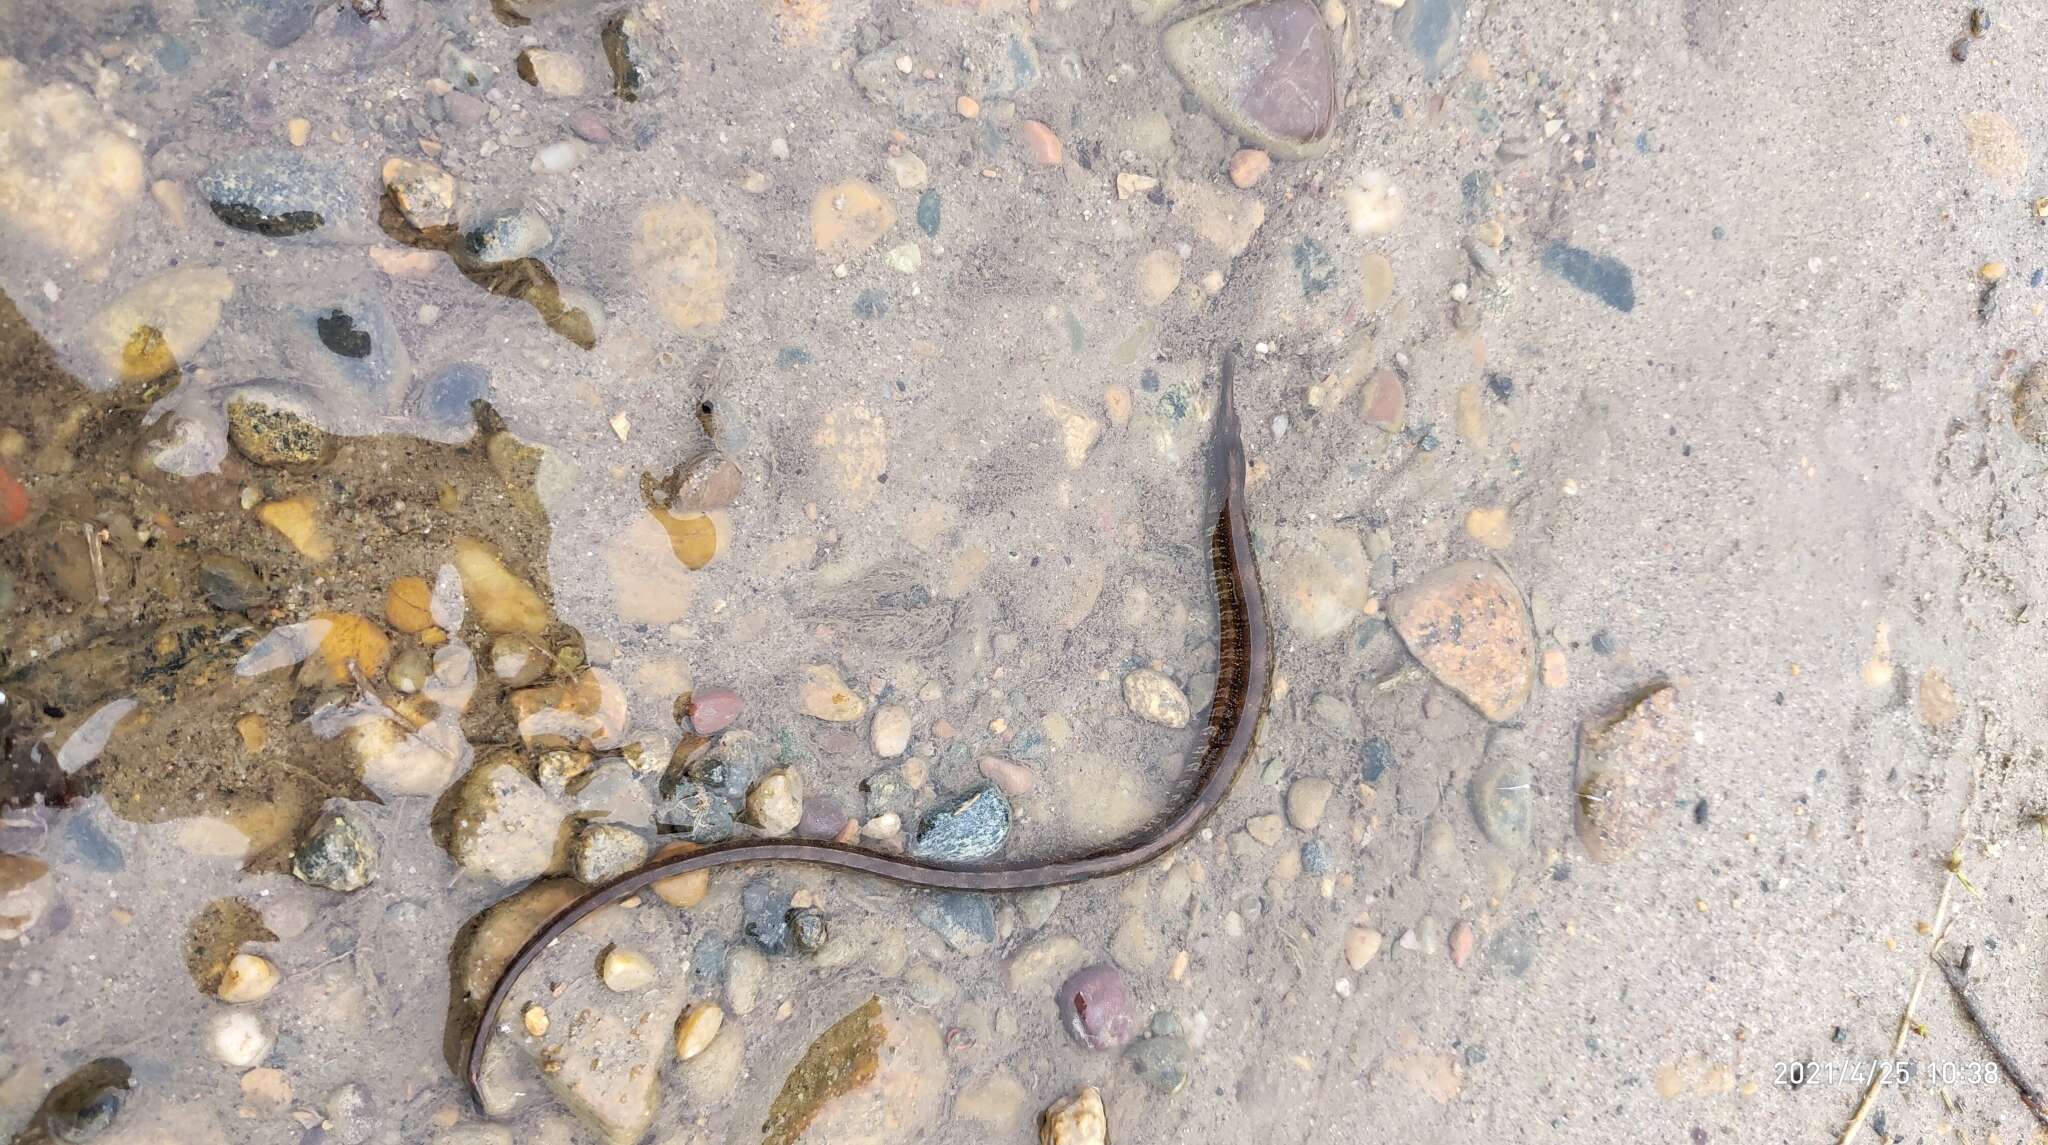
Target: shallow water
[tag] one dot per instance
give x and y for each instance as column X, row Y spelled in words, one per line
column 382, row 418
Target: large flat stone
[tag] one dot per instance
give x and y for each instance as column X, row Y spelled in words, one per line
column 1265, row 69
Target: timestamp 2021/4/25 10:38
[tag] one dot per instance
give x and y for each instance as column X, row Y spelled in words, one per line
column 1886, row 1071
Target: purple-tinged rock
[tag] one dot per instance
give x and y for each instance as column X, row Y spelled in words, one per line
column 1265, row 69
column 712, row 710
column 1096, row 1007
column 822, row 819
column 590, row 127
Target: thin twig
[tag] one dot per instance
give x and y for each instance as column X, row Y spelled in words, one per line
column 1959, row 984
column 99, row 564
column 1941, row 921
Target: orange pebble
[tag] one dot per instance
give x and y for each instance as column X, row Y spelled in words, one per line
column 13, row 500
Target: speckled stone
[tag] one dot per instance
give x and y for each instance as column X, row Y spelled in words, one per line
column 973, row 827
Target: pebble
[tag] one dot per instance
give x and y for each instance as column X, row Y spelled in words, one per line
column 1632, row 763
column 588, row 125
column 1155, row 698
column 422, row 192
column 745, row 969
column 1501, row 802
column 1096, row 1007
column 967, row 922
column 271, row 426
column 1607, row 279
column 248, row 978
column 1556, row 670
column 1161, row 1060
column 67, row 171
column 969, row 829
column 709, row 1079
column 824, row 695
column 909, row 171
column 238, row 1038
column 764, row 915
column 1490, row 527
column 1374, row 206
column 340, row 853
column 228, row 583
column 694, row 810
column 504, row 237
column 809, row 931
column 1467, row 625
column 1010, row 777
column 1267, row 829
column 276, row 193
column 968, row 107
column 1037, row 965
column 554, row 73
column 1077, row 1119
column 559, row 157
column 1158, row 276
column 1132, row 184
column 1460, row 944
column 14, row 501
column 1430, row 29
column 712, row 710
column 695, row 1030
column 626, row 971
column 823, row 818
column 995, row 1101
column 604, row 851
column 1248, row 166
column 775, row 803
column 889, row 735
column 349, row 1120
column 1935, row 700
column 501, row 601
column 848, row 218
column 1386, row 401
column 1378, row 275
column 1039, row 143
column 685, row 890
column 1265, row 71
column 2030, row 404
column 1307, row 798
column 156, row 326
column 675, row 253
column 504, row 826
column 1361, row 946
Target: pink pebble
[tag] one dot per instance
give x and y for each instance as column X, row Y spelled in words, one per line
column 1096, row 1007
column 712, row 710
column 589, row 127
column 1010, row 777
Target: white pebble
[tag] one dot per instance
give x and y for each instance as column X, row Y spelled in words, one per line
column 427, row 314
column 1458, row 291
column 1280, row 426
column 557, row 158
column 238, row 1038
column 1343, row 987
column 1374, row 206
column 626, row 971
column 778, row 147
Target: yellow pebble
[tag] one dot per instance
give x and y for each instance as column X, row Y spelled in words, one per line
column 535, row 1019
column 1992, row 271
column 699, row 1024
column 298, row 131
